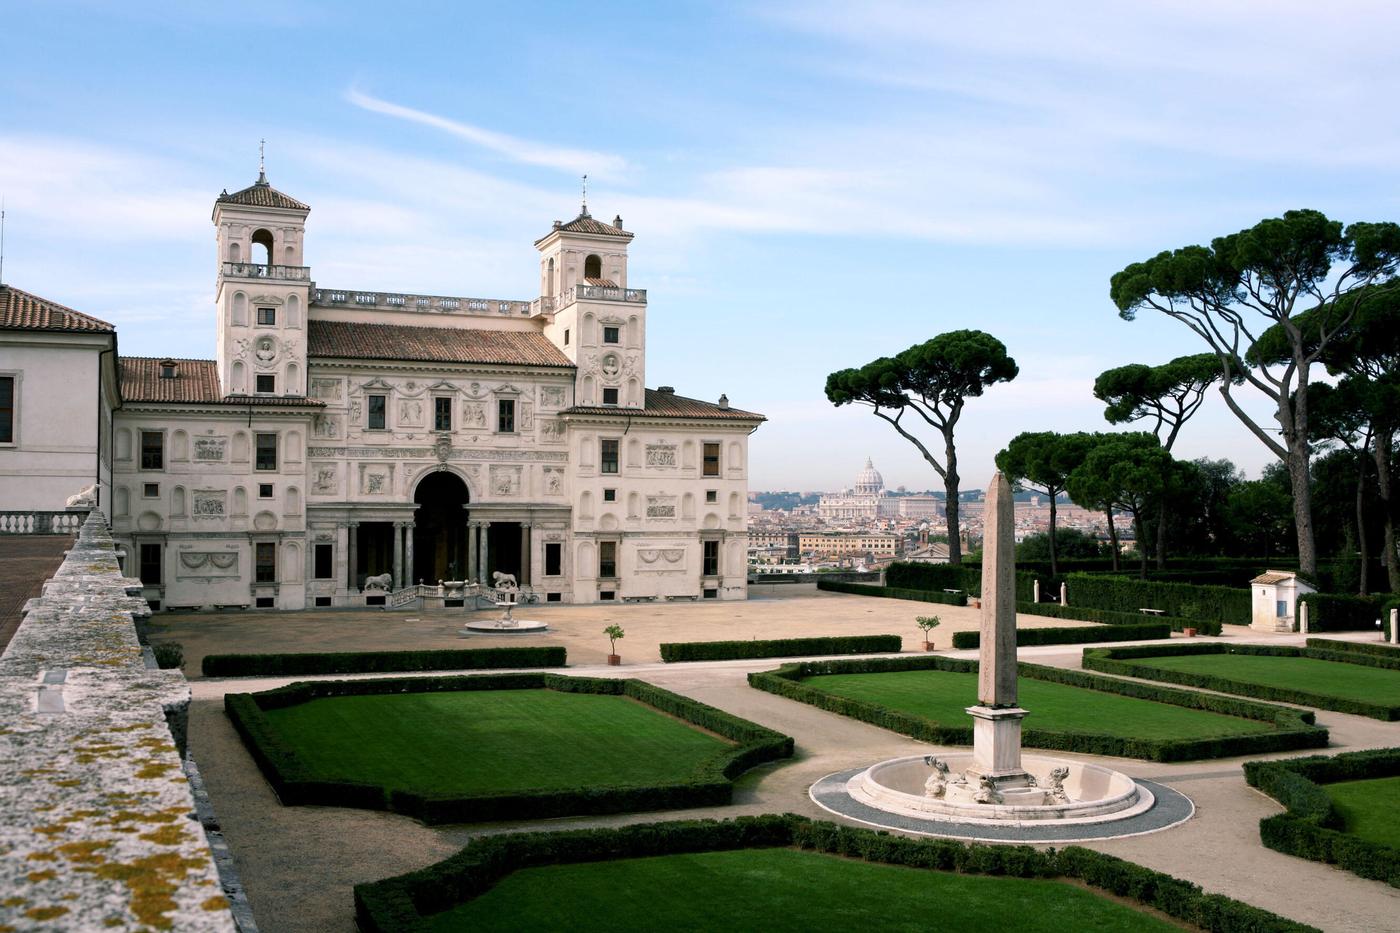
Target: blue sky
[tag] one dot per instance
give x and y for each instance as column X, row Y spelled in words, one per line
column 812, row 184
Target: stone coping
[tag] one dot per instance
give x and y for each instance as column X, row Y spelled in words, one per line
column 98, row 828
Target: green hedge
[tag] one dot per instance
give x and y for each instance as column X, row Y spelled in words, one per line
column 1110, row 617
column 404, row 904
column 1200, row 603
column 1335, row 612
column 1030, row 637
column 710, row 786
column 1124, row 662
column 892, row 592
column 1310, row 827
column 374, row 662
column 169, row 655
column 1294, row 729
column 1370, row 648
column 937, row 577
column 778, row 647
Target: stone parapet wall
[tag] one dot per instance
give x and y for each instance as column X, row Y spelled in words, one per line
column 97, row 821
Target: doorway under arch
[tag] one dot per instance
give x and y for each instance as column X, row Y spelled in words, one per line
column 440, row 528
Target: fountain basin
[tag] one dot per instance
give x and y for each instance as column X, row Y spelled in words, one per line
column 1096, row 793
column 504, row 627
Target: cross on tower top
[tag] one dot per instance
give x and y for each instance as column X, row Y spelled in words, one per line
column 583, row 211
column 262, row 168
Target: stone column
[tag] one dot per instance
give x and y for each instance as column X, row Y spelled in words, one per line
column 352, row 557
column 1035, row 594
column 1303, row 618
column 996, row 720
column 408, row 552
column 1064, row 595
column 482, row 549
column 398, row 555
column 1395, row 626
column 525, row 576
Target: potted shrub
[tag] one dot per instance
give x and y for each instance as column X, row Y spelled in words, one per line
column 928, row 624
column 614, row 632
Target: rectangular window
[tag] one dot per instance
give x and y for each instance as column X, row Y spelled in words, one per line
column 566, row 336
column 7, row 409
column 265, row 562
column 607, row 559
column 505, row 416
column 711, row 467
column 711, row 495
column 710, row 594
column 609, row 495
column 324, row 561
column 607, row 455
column 267, row 452
column 607, row 595
column 442, row 414
column 611, row 335
column 554, row 597
column 553, row 559
column 150, row 491
column 710, row 562
column 267, row 316
column 264, row 490
column 152, row 450
column 377, row 406
column 150, row 564
column 609, row 396
column 266, row 383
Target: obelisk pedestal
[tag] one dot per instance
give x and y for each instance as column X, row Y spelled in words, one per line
column 996, row 727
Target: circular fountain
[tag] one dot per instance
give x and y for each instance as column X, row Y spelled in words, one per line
column 506, row 596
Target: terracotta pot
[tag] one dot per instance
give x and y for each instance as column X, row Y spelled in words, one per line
column 928, row 646
column 1189, row 632
column 974, row 602
column 614, row 659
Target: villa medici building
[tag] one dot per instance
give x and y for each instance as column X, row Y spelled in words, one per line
column 341, row 434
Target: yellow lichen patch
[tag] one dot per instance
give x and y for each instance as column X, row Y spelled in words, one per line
column 218, row 902
column 165, row 836
column 113, row 922
column 42, row 857
column 85, row 853
column 35, row 772
column 153, row 769
column 131, row 728
column 50, row 830
column 13, row 902
column 45, row 913
column 46, row 875
column 71, row 782
column 153, row 881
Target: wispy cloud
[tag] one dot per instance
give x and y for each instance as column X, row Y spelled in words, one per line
column 575, row 161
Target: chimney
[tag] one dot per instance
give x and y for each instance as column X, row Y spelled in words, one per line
column 666, row 390
column 723, row 401
column 558, row 224
column 617, row 221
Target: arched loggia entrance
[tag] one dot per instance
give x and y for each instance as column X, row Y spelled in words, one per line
column 440, row 528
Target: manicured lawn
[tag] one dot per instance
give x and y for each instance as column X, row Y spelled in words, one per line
column 943, row 696
column 1371, row 808
column 493, row 741
column 1332, row 678
column 781, row 889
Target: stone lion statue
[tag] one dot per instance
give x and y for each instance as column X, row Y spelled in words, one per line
column 504, row 581
column 85, row 498
column 381, row 581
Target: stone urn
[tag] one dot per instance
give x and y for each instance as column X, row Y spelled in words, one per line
column 1188, row 632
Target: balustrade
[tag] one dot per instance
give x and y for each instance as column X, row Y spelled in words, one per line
column 257, row 270
column 37, row 522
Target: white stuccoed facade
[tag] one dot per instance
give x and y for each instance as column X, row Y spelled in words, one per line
column 342, row 434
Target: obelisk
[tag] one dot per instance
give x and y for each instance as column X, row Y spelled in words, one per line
column 996, row 733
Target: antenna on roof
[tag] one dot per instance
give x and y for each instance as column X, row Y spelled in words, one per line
column 583, row 211
column 2, row 239
column 262, row 168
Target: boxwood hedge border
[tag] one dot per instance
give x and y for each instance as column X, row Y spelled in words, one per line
column 1078, row 635
column 892, row 592
column 402, row 904
column 711, row 785
column 375, row 662
column 672, row 652
column 1135, row 661
column 1294, row 729
column 1310, row 827
column 1370, row 648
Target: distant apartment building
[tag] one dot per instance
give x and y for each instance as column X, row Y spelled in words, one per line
column 844, row 544
column 919, row 508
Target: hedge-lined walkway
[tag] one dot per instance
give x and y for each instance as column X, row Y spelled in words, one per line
column 299, row 863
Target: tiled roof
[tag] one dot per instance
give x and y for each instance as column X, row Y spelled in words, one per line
column 670, row 405
column 195, row 382
column 261, row 194
column 353, row 340
column 584, row 223
column 19, row 310
column 1273, row 576
column 605, row 283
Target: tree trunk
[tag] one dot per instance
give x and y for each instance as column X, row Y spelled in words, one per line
column 1162, row 535
column 1054, row 565
column 950, row 484
column 1142, row 551
column 1382, row 452
column 1293, row 418
column 1361, row 519
column 1112, row 537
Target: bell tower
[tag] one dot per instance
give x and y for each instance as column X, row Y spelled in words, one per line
column 597, row 321
column 263, row 291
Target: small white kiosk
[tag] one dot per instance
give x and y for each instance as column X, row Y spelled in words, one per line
column 1275, row 600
